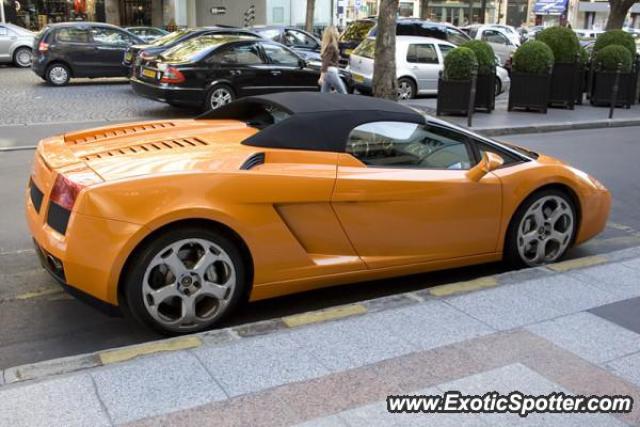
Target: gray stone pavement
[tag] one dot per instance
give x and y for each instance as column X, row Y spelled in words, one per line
column 537, row 331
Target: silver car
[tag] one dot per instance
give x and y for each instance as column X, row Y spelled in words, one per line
column 419, row 61
column 15, row 45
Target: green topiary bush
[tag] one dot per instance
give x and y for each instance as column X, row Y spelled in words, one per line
column 459, row 64
column 484, row 55
column 563, row 43
column 615, row 37
column 608, row 57
column 533, row 57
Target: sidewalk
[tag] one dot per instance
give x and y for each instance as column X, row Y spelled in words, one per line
column 503, row 122
column 572, row 327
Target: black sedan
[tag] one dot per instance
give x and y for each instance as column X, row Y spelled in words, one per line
column 146, row 51
column 303, row 43
column 213, row 70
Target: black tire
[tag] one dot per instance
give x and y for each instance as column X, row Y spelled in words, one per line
column 17, row 57
column 410, row 85
column 498, row 86
column 58, row 74
column 208, row 103
column 132, row 285
column 511, row 252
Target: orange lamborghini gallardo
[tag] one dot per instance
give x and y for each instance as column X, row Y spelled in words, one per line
column 179, row 221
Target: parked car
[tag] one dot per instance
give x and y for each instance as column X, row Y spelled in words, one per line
column 500, row 42
column 303, row 43
column 587, row 34
column 421, row 28
column 148, row 34
column 352, row 36
column 15, row 45
column 80, row 49
column 136, row 53
column 212, row 70
column 178, row 222
column 508, row 30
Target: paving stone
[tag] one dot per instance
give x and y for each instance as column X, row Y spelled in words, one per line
column 565, row 294
column 253, row 364
column 633, row 263
column 155, row 385
column 353, row 342
column 625, row 313
column 589, row 336
column 616, row 278
column 433, row 324
column 505, row 307
column 329, row 421
column 627, row 367
column 69, row 401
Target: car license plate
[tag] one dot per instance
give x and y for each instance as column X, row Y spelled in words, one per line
column 128, row 56
column 149, row 73
column 357, row 78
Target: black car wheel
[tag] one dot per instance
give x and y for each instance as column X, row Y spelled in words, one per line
column 218, row 96
column 58, row 74
column 22, row 57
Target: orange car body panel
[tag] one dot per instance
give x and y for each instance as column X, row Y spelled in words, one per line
column 310, row 219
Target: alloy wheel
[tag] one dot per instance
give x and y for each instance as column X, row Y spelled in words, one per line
column 188, row 284
column 545, row 231
column 23, row 57
column 58, row 75
column 405, row 90
column 220, row 96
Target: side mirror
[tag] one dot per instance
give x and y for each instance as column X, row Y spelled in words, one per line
column 302, row 63
column 489, row 162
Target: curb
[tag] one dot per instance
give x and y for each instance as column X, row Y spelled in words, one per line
column 55, row 367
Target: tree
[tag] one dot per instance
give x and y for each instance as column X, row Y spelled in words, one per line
column 424, row 9
column 308, row 22
column 384, row 67
column 618, row 13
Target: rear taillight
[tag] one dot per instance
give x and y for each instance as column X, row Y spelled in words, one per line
column 43, row 47
column 172, row 75
column 65, row 192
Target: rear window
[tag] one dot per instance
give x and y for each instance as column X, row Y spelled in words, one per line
column 356, row 31
column 196, row 48
column 73, row 35
column 366, row 49
column 456, row 36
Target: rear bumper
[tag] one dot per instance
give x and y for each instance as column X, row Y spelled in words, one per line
column 169, row 94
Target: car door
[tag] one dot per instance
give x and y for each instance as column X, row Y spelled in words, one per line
column 289, row 72
column 500, row 44
column 243, row 66
column 6, row 40
column 299, row 40
column 74, row 46
column 423, row 61
column 110, row 45
column 404, row 196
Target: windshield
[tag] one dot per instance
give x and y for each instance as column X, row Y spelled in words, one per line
column 194, row 49
column 171, row 37
column 366, row 49
column 356, row 31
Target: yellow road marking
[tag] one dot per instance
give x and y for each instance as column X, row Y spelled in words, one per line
column 37, row 293
column 459, row 287
column 324, row 315
column 127, row 353
column 572, row 264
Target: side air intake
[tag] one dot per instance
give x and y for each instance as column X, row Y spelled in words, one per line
column 253, row 161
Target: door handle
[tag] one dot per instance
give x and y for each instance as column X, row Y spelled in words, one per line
column 276, row 72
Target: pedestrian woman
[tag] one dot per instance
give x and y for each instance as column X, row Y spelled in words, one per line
column 329, row 77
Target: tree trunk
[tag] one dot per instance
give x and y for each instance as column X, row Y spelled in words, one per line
column 308, row 22
column 424, row 9
column 384, row 67
column 618, row 13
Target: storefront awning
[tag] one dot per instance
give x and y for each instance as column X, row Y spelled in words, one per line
column 550, row 7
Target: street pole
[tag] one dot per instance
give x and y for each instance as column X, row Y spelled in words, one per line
column 2, row 11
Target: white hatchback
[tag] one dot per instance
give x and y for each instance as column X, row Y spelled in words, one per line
column 419, row 61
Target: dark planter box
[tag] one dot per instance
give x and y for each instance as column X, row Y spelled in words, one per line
column 453, row 96
column 602, row 89
column 529, row 91
column 486, row 92
column 564, row 85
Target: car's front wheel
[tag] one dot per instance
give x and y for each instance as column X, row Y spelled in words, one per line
column 58, row 74
column 218, row 96
column 185, row 280
column 542, row 229
column 406, row 89
column 22, row 57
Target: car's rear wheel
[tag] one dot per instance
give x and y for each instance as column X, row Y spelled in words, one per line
column 22, row 57
column 185, row 280
column 218, row 96
column 58, row 74
column 542, row 230
column 406, row 88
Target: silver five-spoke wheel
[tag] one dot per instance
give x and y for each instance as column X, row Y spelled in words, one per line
column 220, row 96
column 188, row 284
column 545, row 230
column 405, row 89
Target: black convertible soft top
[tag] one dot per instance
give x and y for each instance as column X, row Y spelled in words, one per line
column 314, row 121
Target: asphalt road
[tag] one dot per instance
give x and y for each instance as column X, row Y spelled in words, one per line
column 38, row 322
